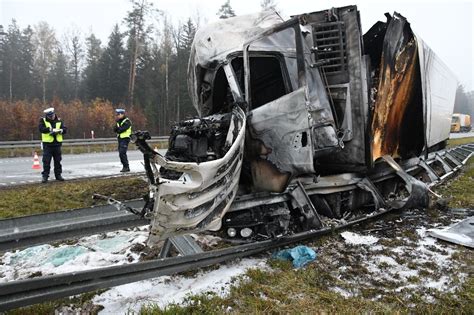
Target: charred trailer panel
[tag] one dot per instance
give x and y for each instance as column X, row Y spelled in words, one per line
column 387, row 88
column 413, row 92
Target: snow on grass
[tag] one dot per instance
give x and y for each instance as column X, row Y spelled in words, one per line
column 403, row 259
column 357, row 239
column 164, row 290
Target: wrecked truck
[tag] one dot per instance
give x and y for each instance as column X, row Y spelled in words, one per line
column 299, row 120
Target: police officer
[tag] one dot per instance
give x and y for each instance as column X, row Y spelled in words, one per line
column 52, row 129
column 123, row 128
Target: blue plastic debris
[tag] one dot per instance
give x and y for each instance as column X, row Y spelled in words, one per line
column 299, row 255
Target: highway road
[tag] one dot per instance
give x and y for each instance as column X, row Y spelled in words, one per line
column 14, row 171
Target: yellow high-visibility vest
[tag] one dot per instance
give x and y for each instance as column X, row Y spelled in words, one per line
column 46, row 137
column 127, row 133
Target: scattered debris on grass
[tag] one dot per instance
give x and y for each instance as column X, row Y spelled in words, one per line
column 461, row 233
column 299, row 256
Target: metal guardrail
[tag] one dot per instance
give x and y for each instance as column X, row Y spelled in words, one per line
column 67, row 142
column 54, row 226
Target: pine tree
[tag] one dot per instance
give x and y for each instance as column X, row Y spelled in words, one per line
column 11, row 59
column 3, row 61
column 76, row 55
column 26, row 83
column 147, row 83
column 91, row 79
column 59, row 79
column 137, row 32
column 113, row 68
column 226, row 11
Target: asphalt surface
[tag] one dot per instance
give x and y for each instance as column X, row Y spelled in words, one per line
column 14, row 171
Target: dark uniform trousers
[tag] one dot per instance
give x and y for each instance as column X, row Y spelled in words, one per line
column 51, row 151
column 122, row 148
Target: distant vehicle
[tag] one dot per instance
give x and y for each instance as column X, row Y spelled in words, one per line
column 461, row 123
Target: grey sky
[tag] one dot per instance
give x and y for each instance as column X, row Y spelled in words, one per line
column 446, row 26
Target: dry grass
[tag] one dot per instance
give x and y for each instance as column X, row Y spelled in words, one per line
column 54, row 196
column 455, row 142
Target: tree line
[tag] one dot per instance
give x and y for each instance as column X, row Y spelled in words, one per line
column 143, row 69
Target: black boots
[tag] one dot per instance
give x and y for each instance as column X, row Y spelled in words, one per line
column 58, row 178
column 125, row 169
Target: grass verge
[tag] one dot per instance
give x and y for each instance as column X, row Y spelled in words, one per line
column 455, row 142
column 79, row 304
column 460, row 190
column 54, row 196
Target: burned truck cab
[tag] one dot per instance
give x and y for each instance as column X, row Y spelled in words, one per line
column 290, row 121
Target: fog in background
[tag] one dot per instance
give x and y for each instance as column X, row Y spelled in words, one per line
column 446, row 26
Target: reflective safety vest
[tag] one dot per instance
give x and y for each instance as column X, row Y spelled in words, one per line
column 46, row 137
column 127, row 133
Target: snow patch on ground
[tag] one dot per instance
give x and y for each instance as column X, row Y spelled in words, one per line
column 402, row 257
column 173, row 289
column 357, row 239
column 113, row 248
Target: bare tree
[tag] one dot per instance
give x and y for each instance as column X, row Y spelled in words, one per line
column 166, row 46
column 177, row 33
column 45, row 44
column 76, row 53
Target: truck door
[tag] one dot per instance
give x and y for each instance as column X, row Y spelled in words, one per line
column 290, row 120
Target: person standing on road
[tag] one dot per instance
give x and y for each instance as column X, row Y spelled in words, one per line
column 123, row 128
column 52, row 129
